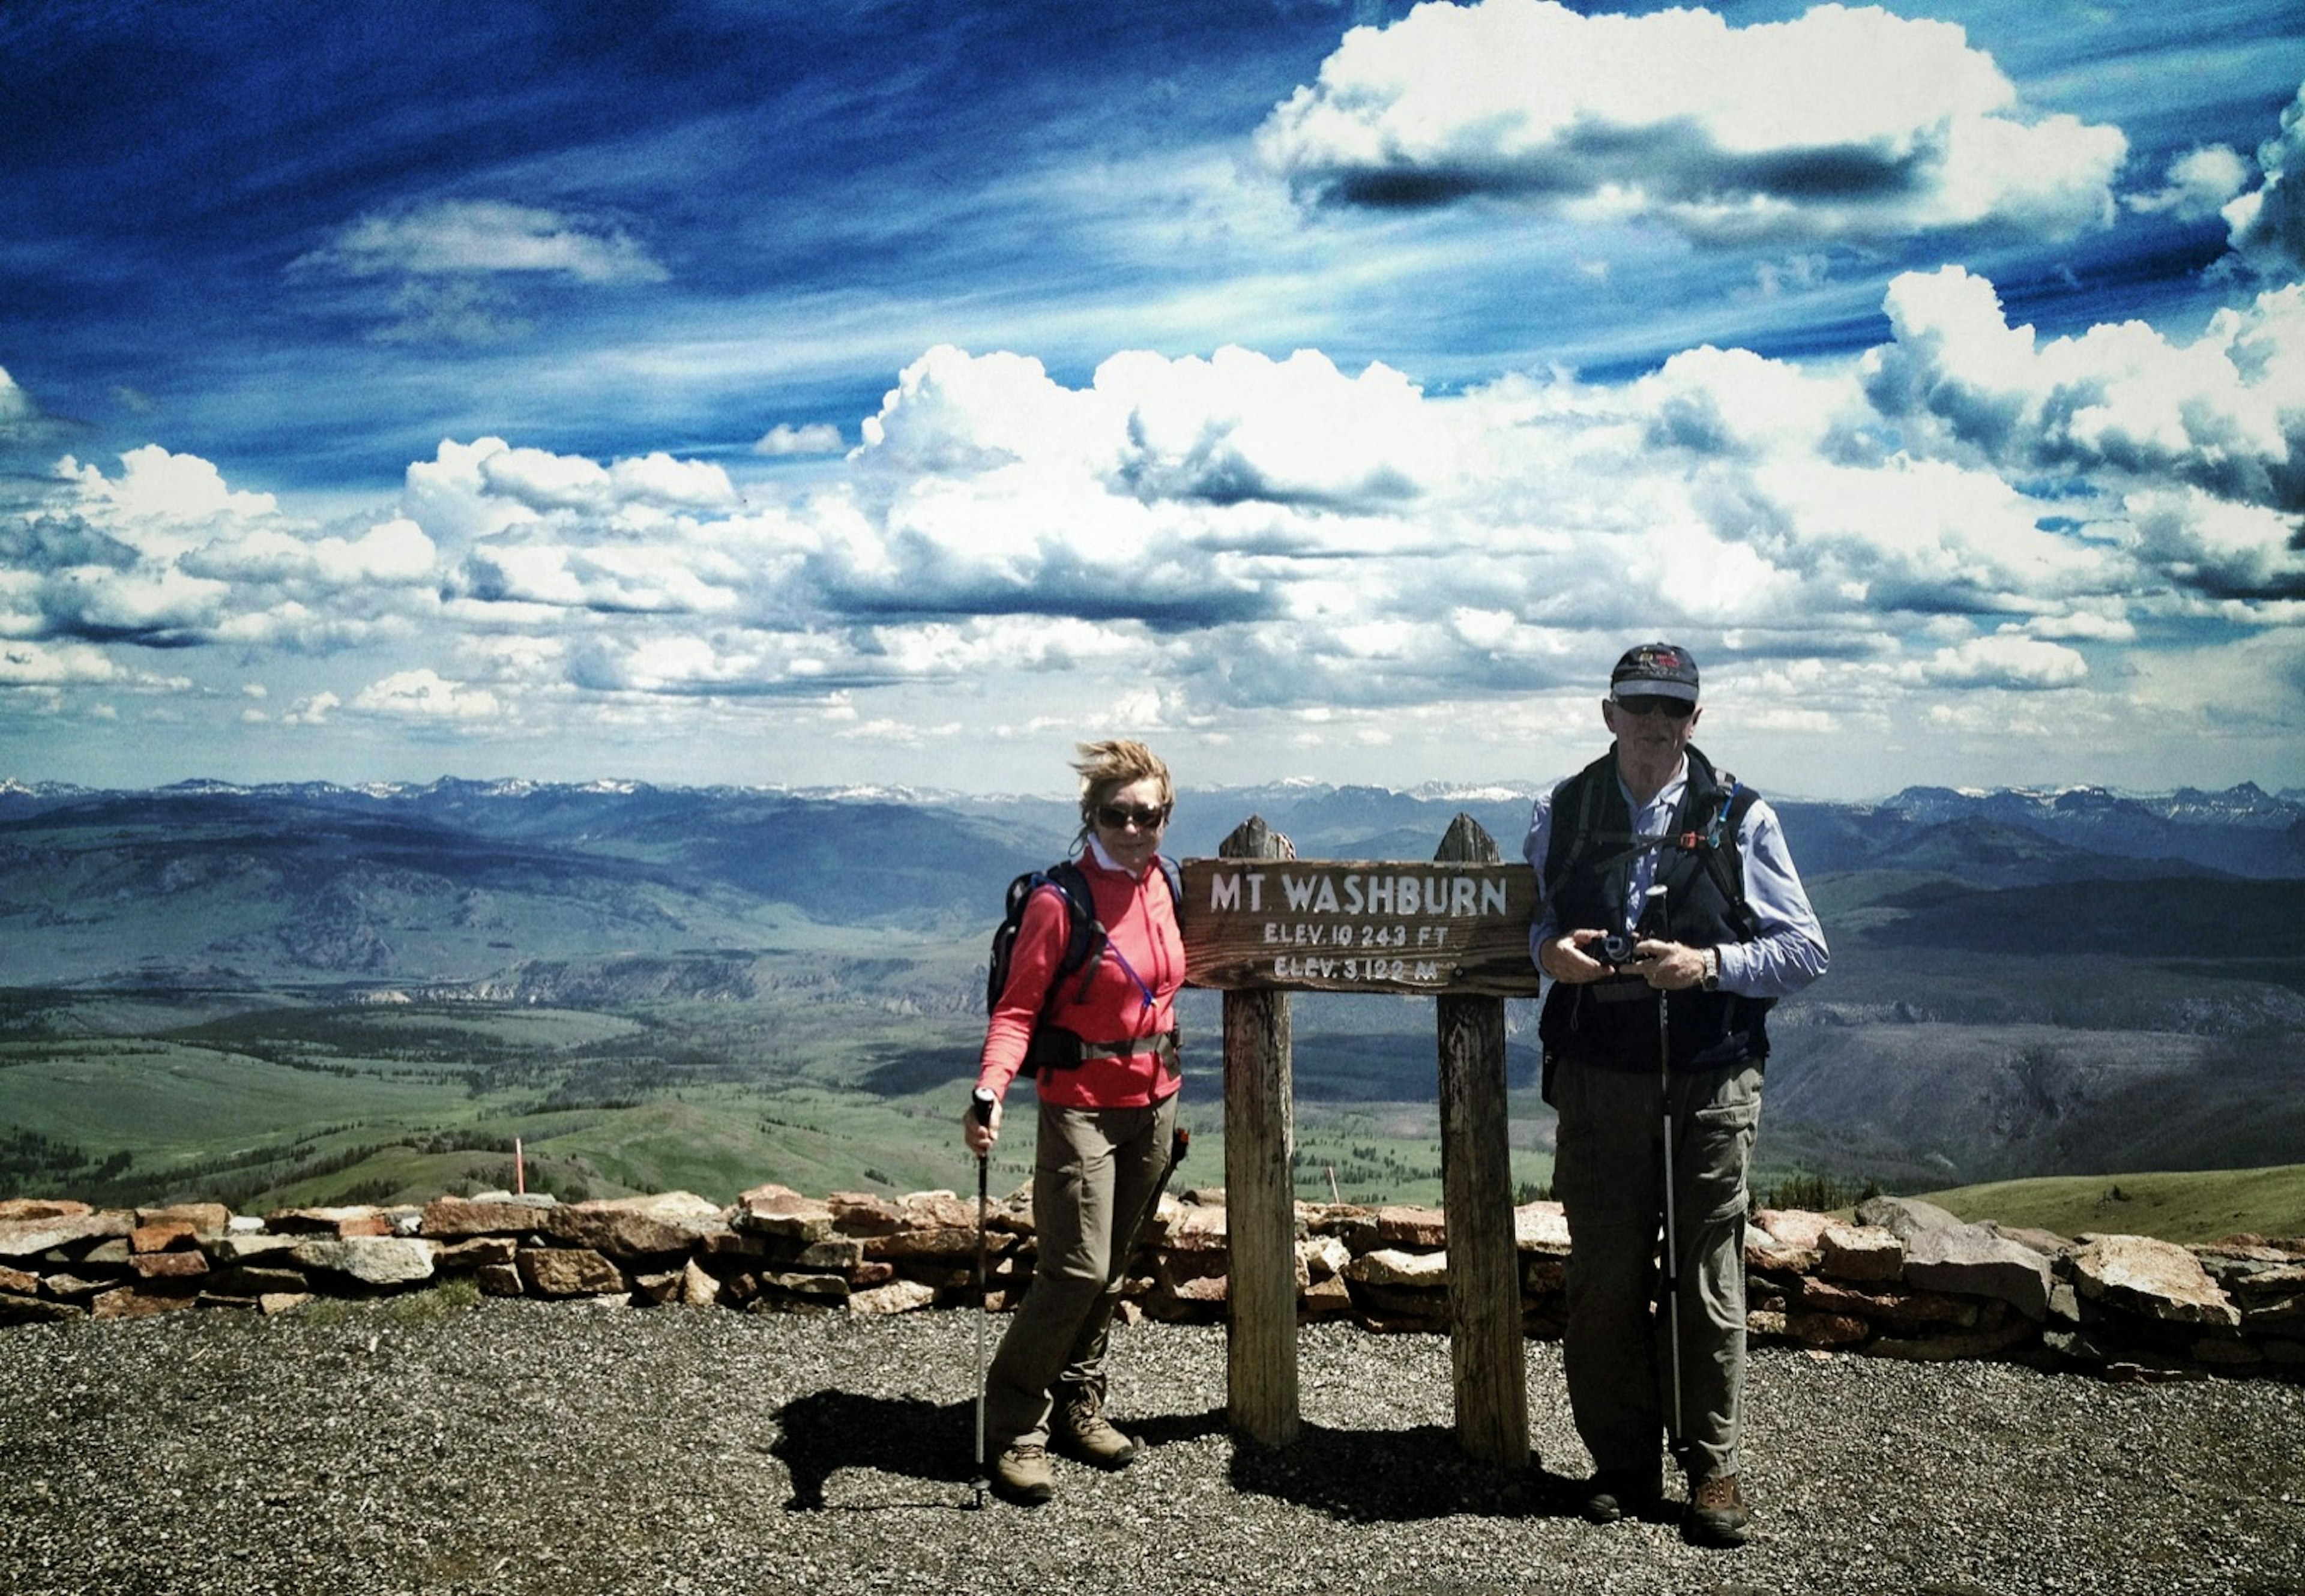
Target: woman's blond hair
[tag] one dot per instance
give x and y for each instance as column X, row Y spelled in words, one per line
column 1105, row 768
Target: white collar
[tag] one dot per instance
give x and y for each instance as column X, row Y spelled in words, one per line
column 1107, row 862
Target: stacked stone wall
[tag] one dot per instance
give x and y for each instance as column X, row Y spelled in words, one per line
column 1903, row 1280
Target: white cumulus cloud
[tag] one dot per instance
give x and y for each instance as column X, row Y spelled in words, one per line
column 425, row 695
column 2267, row 225
column 1839, row 124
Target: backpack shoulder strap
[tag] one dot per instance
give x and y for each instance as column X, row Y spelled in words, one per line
column 1085, row 947
column 1717, row 845
column 1175, row 876
column 1568, row 844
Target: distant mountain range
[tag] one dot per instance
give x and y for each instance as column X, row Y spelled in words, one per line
column 2022, row 983
column 455, row 880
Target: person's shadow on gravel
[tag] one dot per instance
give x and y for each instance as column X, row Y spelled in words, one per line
column 1377, row 1476
column 821, row 1434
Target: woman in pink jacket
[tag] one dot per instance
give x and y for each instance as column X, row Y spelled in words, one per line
column 1106, row 1122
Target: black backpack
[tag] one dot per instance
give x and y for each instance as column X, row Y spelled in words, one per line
column 1052, row 1046
column 1715, row 847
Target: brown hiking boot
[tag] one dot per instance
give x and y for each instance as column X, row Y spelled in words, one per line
column 1080, row 1431
column 1717, row 1513
column 1022, row 1475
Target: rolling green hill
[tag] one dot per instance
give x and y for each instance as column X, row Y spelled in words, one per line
column 2192, row 1206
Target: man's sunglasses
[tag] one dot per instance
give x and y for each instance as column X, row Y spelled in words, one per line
column 1651, row 703
column 1117, row 815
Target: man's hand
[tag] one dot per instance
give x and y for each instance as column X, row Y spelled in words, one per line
column 1668, row 966
column 1565, row 960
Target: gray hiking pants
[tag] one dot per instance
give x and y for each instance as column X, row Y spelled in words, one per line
column 1096, row 1175
column 1609, row 1172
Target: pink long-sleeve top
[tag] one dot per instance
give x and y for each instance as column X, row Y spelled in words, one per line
column 1141, row 921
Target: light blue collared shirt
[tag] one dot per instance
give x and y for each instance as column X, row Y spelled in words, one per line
column 1789, row 952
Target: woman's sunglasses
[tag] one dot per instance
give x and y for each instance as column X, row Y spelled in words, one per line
column 1117, row 815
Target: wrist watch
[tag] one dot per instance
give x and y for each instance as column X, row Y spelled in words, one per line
column 1711, row 980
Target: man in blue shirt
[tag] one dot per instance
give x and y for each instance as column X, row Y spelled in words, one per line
column 1672, row 920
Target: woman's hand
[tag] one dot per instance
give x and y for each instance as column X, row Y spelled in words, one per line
column 981, row 1132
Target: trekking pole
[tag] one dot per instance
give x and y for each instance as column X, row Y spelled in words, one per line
column 1676, row 1438
column 981, row 1105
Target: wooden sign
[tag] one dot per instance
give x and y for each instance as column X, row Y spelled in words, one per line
column 1359, row 926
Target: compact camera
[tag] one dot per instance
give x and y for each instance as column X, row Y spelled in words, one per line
column 1614, row 949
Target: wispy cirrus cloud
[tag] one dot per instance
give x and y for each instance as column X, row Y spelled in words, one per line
column 467, row 237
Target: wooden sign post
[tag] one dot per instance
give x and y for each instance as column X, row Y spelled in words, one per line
column 1260, row 923
column 1260, row 1190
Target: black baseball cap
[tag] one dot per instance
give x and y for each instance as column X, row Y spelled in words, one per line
column 1654, row 670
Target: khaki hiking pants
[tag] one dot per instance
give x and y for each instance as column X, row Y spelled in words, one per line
column 1607, row 1171
column 1096, row 1175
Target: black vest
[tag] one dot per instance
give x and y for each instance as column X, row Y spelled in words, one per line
column 1588, row 864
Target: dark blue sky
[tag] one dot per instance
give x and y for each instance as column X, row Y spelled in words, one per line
column 300, row 249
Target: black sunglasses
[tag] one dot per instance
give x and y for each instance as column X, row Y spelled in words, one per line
column 1117, row 815
column 1651, row 703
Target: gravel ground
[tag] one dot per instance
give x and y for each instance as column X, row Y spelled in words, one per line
column 519, row 1449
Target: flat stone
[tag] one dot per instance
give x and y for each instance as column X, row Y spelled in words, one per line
column 2159, row 1280
column 639, row 1227
column 657, row 1288
column 203, row 1219
column 1394, row 1267
column 243, row 1280
column 231, row 1248
column 169, row 1266
column 862, row 1213
column 2048, row 1243
column 1970, row 1261
column 1824, row 1329
column 1903, row 1309
column 1792, row 1227
column 1196, row 1230
column 781, row 1211
column 15, row 1210
column 1905, row 1217
column 501, row 1214
column 1861, row 1252
column 937, row 1210
column 160, row 1235
column 1541, row 1227
column 568, row 1272
column 1423, row 1228
column 360, row 1219
column 1325, row 1298
column 458, row 1257
column 29, row 1238
column 127, row 1302
column 372, row 1260
column 822, row 1287
column 1765, row 1251
column 16, row 1310
column 898, row 1296
column 1320, row 1257
column 65, row 1287
column 913, row 1246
